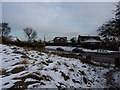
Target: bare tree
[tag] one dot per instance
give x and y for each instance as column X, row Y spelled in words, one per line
column 30, row 34
column 4, row 29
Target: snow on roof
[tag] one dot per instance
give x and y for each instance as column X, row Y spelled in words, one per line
column 91, row 40
column 13, row 38
column 68, row 41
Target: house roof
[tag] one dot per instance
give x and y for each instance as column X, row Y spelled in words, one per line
column 84, row 38
column 60, row 38
column 13, row 38
column 92, row 40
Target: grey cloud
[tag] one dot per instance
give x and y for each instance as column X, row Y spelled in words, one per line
column 58, row 18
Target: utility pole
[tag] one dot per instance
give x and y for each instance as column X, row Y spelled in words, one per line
column 44, row 39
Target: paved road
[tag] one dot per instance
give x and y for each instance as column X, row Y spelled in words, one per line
column 94, row 56
column 102, row 58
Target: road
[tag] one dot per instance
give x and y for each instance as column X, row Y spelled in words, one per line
column 94, row 56
column 101, row 58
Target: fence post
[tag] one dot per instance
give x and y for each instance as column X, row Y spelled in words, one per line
column 117, row 62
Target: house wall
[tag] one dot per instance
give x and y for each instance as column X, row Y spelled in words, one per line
column 60, row 40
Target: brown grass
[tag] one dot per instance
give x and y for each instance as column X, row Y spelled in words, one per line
column 22, row 62
column 75, row 81
column 21, row 85
column 48, row 78
column 17, row 52
column 44, row 63
column 49, row 61
column 36, row 49
column 31, row 75
column 25, row 56
column 2, row 71
column 17, row 69
column 55, row 69
column 66, row 77
column 82, row 72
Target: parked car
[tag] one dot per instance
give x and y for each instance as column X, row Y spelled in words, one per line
column 60, row 49
column 77, row 50
column 103, row 52
column 119, row 49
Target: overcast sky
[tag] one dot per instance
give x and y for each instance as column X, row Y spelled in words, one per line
column 57, row 19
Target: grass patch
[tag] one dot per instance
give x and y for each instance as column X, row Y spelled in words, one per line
column 4, row 73
column 19, row 85
column 85, row 80
column 64, row 76
column 31, row 75
column 25, row 56
column 18, row 69
column 22, row 62
column 82, row 72
column 71, row 70
column 75, row 81
column 65, row 64
column 32, row 55
column 6, row 83
column 23, row 85
column 44, row 63
column 17, row 52
column 49, row 61
column 48, row 78
column 55, row 69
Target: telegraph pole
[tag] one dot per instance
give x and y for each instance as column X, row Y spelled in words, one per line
column 44, row 39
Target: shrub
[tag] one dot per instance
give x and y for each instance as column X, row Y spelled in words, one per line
column 25, row 44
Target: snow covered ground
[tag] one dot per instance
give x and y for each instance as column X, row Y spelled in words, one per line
column 68, row 48
column 116, row 77
column 33, row 69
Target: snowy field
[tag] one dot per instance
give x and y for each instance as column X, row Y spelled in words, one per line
column 68, row 48
column 33, row 69
column 117, row 78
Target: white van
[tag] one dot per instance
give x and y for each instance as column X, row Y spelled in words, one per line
column 103, row 52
